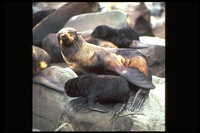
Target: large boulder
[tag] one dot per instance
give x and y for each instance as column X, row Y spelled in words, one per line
column 83, row 119
column 90, row 21
column 55, row 21
column 48, row 107
column 49, row 98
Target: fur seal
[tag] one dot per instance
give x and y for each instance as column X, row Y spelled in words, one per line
column 38, row 16
column 99, row 89
column 56, row 20
column 49, row 44
column 122, row 37
column 85, row 57
column 41, row 59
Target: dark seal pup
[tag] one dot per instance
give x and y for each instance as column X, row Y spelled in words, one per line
column 99, row 89
column 122, row 37
column 85, row 57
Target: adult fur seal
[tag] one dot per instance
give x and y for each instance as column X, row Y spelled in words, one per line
column 41, row 59
column 122, row 37
column 85, row 57
column 99, row 89
column 56, row 20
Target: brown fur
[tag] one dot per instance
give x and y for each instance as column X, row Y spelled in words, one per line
column 87, row 55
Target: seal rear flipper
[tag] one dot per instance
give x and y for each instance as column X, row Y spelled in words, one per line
column 137, row 78
column 133, row 76
column 97, row 106
column 139, row 99
column 118, row 108
column 45, row 80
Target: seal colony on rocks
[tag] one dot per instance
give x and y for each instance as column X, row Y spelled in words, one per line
column 84, row 57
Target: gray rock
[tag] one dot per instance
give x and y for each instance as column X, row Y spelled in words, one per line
column 50, row 45
column 159, row 30
column 83, row 119
column 152, row 40
column 156, row 58
column 54, row 77
column 48, row 107
column 49, row 102
column 151, row 117
column 90, row 21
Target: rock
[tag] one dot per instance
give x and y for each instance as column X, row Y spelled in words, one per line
column 38, row 16
column 152, row 40
column 151, row 117
column 48, row 102
column 90, row 21
column 55, row 21
column 40, row 59
column 54, row 77
column 48, row 107
column 55, row 111
column 156, row 57
column 50, row 45
column 159, row 30
column 39, row 6
column 83, row 119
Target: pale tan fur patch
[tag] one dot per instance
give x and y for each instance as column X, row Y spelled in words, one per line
column 136, row 62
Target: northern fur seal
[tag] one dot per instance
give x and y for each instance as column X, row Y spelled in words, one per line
column 99, row 89
column 41, row 59
column 122, row 37
column 82, row 56
column 56, row 20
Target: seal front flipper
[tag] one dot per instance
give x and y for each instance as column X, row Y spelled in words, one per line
column 97, row 106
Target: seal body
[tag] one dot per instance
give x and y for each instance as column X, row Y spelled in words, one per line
column 84, row 57
column 99, row 89
column 56, row 20
column 122, row 37
column 41, row 59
